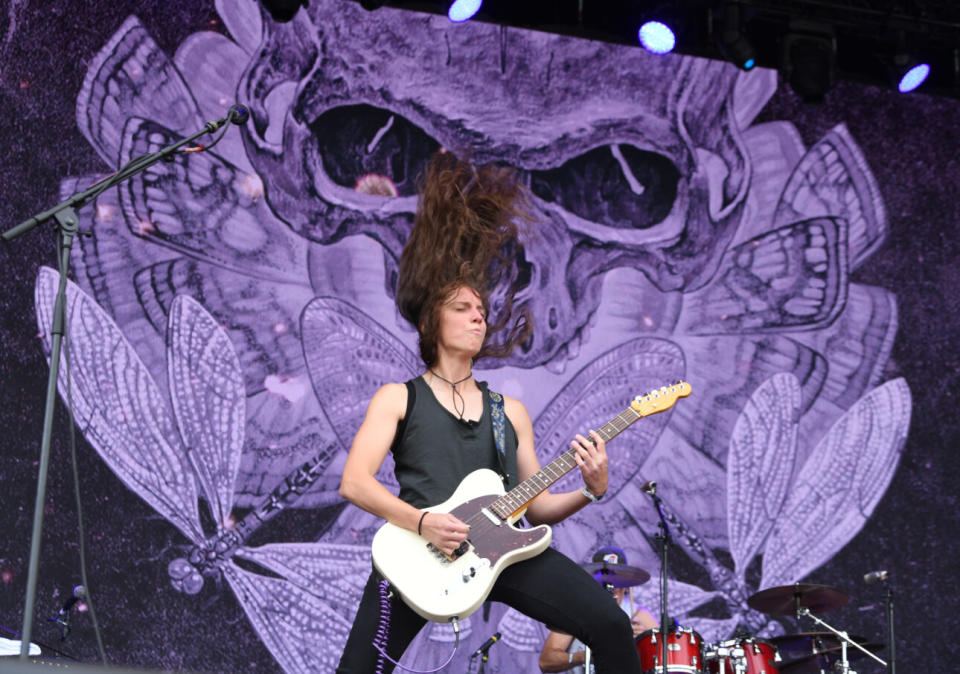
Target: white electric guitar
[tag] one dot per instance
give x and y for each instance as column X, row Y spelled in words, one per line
column 441, row 587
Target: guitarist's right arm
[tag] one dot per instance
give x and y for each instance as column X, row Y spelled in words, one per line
column 360, row 486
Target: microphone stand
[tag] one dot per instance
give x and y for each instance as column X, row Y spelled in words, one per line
column 664, row 537
column 67, row 226
column 891, row 643
column 483, row 661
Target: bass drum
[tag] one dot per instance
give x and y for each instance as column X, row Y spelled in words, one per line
column 684, row 651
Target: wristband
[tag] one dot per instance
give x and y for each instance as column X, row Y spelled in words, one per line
column 571, row 659
column 590, row 495
column 420, row 524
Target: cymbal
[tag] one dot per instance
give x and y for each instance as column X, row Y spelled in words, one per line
column 617, row 575
column 782, row 600
column 824, row 660
column 809, row 641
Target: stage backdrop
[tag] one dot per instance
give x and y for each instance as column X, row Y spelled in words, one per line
column 232, row 312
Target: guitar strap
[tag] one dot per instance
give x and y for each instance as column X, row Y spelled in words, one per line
column 498, row 419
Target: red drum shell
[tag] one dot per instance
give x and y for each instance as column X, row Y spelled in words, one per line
column 684, row 651
column 760, row 657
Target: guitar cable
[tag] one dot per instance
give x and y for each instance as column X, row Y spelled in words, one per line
column 383, row 635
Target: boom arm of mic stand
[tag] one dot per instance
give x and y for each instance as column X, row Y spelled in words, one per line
column 804, row 611
column 79, row 199
column 68, row 225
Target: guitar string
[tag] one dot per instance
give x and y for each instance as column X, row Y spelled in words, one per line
column 606, row 435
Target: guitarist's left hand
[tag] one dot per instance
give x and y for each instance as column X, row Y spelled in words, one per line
column 591, row 456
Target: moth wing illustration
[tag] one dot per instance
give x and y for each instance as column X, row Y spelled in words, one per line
column 840, row 484
column 760, row 465
column 119, row 408
column 206, row 388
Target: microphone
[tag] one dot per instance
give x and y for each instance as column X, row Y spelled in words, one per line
column 875, row 577
column 486, row 645
column 649, row 488
column 238, row 114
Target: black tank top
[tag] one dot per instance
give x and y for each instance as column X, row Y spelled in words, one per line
column 435, row 450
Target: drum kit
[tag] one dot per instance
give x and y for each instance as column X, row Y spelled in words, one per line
column 819, row 652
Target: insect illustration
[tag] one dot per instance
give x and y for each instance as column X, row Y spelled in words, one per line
column 165, row 450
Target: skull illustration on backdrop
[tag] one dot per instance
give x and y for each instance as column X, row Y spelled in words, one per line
column 645, row 170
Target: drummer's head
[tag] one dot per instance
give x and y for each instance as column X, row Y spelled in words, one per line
column 610, row 554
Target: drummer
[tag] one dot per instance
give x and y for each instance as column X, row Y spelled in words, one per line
column 562, row 652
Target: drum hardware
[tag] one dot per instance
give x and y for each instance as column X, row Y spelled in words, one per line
column 843, row 667
column 809, row 642
column 743, row 655
column 805, row 600
column 684, row 649
column 827, row 659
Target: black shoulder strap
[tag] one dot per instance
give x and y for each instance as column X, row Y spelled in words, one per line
column 402, row 424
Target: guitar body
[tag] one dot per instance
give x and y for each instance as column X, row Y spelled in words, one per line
column 440, row 588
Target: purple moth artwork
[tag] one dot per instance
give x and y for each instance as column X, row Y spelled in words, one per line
column 234, row 311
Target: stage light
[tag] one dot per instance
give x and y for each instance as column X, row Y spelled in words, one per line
column 808, row 59
column 657, row 37
column 461, row 10
column 908, row 71
column 913, row 78
column 733, row 41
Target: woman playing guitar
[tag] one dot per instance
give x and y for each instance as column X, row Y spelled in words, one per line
column 440, row 426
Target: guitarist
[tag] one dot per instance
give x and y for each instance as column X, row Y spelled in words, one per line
column 463, row 247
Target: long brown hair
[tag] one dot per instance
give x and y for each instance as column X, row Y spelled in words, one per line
column 465, row 233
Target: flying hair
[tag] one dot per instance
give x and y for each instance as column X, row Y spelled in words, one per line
column 465, row 233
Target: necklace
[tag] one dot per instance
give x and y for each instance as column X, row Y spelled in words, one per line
column 455, row 393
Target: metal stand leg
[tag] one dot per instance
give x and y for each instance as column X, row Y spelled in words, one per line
column 68, row 224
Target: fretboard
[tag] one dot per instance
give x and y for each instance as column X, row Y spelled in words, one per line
column 518, row 497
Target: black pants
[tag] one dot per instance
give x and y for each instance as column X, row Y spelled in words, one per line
column 549, row 588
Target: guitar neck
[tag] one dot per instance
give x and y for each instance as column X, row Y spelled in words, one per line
column 517, row 498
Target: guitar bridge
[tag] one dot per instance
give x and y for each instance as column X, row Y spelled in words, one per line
column 446, row 559
column 438, row 553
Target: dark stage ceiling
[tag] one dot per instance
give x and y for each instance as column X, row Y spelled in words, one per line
column 812, row 42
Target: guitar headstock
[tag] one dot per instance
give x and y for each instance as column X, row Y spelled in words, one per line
column 660, row 399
